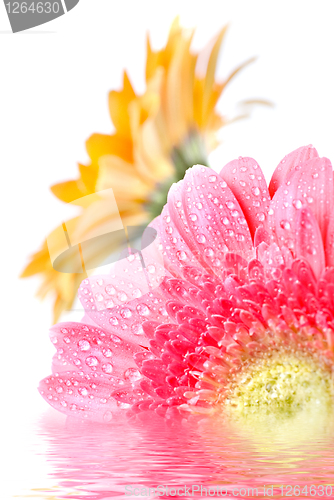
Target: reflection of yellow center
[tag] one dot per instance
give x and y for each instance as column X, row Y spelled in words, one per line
column 282, row 383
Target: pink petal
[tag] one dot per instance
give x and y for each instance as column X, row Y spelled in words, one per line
column 309, row 242
column 82, row 395
column 246, row 180
column 176, row 252
column 209, row 218
column 125, row 321
column 93, row 350
column 309, row 185
column 329, row 243
column 289, row 163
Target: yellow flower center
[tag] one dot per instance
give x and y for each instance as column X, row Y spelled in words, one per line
column 283, row 382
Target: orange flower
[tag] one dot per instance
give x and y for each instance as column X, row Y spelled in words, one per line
column 158, row 135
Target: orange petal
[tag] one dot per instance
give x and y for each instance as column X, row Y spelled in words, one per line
column 99, row 145
column 68, row 191
column 118, row 106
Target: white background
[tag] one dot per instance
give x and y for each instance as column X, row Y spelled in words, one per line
column 53, row 95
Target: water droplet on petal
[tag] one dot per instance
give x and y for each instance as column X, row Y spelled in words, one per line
column 181, row 255
column 113, row 320
column 107, row 368
column 143, row 310
column 151, row 269
column 137, row 329
column 201, row 238
column 199, row 205
column 193, row 217
column 110, row 290
column 285, row 224
column 212, row 178
column 106, row 352
column 208, row 252
column 122, row 296
column 297, row 204
column 99, row 297
column 83, row 391
column 91, row 361
column 126, row 313
column 132, row 374
column 83, row 345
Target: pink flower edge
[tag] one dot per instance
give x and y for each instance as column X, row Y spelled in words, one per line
column 248, row 269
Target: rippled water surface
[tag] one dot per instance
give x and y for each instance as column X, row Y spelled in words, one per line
column 102, row 462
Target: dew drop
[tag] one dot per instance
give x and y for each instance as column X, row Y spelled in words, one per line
column 122, row 296
column 132, row 374
column 143, row 310
column 297, row 204
column 208, row 252
column 230, row 205
column 110, row 290
column 126, row 313
column 137, row 329
column 181, row 255
column 83, row 391
column 91, row 361
column 113, row 320
column 193, row 217
column 199, row 205
column 106, row 352
column 99, row 297
column 285, row 224
column 83, row 345
column 212, row 178
column 201, row 238
column 107, row 368
column 151, row 268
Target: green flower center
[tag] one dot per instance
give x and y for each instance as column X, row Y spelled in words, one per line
column 191, row 152
column 284, row 382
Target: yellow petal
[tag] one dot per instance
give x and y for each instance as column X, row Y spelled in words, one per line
column 99, row 145
column 68, row 191
column 88, row 175
column 123, row 178
column 210, row 72
column 118, row 106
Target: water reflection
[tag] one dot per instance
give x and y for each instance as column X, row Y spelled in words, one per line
column 92, row 461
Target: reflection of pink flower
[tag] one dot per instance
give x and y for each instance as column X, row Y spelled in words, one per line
column 248, row 281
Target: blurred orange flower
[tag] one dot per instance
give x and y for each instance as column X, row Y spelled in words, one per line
column 158, row 135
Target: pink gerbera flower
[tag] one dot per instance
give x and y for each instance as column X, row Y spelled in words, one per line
column 243, row 318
